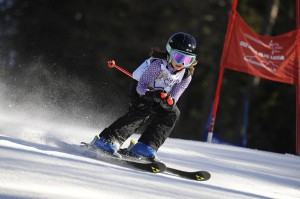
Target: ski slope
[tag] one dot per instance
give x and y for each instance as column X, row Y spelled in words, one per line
column 41, row 159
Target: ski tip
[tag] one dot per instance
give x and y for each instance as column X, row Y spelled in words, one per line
column 202, row 175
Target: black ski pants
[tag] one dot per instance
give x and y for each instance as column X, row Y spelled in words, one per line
column 150, row 119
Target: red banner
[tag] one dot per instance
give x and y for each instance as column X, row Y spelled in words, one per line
column 268, row 57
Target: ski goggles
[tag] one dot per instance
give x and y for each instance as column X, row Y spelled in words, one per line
column 182, row 58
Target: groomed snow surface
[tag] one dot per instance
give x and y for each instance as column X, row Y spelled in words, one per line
column 43, row 160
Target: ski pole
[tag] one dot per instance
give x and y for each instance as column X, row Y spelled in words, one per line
column 163, row 95
column 112, row 64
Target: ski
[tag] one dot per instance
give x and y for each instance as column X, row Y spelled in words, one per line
column 117, row 159
column 121, row 159
column 195, row 175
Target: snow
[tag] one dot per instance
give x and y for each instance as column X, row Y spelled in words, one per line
column 40, row 159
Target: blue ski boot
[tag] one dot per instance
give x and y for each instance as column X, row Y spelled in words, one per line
column 105, row 144
column 143, row 151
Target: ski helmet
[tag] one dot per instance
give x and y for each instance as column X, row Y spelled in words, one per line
column 183, row 42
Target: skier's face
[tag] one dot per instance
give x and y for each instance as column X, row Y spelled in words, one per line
column 177, row 66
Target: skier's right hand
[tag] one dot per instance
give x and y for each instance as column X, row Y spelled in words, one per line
column 167, row 101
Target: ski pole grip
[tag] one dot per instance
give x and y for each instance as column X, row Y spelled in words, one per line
column 163, row 95
column 170, row 101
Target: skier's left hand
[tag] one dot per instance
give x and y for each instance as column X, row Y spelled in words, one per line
column 167, row 102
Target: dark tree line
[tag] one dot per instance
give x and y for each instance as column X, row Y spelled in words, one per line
column 56, row 51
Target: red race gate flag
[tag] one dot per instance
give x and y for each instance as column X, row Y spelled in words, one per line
column 268, row 57
column 298, row 80
column 275, row 58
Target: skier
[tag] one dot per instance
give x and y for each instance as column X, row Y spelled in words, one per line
column 153, row 110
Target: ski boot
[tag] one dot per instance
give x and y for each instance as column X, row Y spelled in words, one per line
column 144, row 152
column 105, row 144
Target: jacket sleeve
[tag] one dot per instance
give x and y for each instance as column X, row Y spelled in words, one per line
column 150, row 74
column 179, row 88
